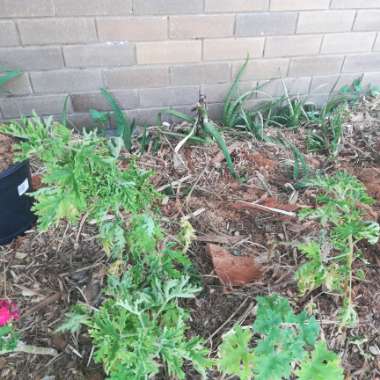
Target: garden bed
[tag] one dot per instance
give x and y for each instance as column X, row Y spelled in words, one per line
column 47, row 273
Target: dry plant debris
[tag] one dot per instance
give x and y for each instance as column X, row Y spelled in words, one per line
column 45, row 274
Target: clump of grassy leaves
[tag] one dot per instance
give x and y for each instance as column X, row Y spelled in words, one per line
column 340, row 210
column 286, row 345
column 328, row 129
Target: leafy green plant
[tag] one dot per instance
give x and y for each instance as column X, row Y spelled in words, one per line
column 140, row 327
column 82, row 179
column 341, row 214
column 285, row 342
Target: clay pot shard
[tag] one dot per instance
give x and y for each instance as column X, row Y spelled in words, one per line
column 233, row 270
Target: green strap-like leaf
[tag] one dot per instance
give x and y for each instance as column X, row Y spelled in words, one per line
column 210, row 129
column 123, row 125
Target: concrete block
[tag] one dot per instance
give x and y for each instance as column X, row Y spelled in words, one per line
column 359, row 4
column 66, row 81
column 201, row 73
column 201, row 26
column 348, row 43
column 310, row 66
column 26, row 8
column 8, row 33
column 168, row 52
column 368, row 20
column 323, row 84
column 218, row 6
column 167, row 97
column 32, row 58
column 57, row 31
column 232, row 48
column 325, row 21
column 92, row 8
column 17, row 86
column 262, row 69
column 127, row 99
column 137, row 77
column 25, row 106
column 266, row 24
column 298, row 5
column 111, row 54
column 275, row 88
column 132, row 28
column 288, row 46
column 166, row 7
column 362, row 63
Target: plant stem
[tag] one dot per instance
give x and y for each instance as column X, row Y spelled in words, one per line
column 22, row 347
column 350, row 258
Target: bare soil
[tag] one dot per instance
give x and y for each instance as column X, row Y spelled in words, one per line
column 6, row 153
column 46, row 273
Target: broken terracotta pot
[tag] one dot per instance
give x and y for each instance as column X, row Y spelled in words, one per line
column 233, row 270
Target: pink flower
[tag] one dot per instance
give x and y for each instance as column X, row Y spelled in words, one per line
column 8, row 312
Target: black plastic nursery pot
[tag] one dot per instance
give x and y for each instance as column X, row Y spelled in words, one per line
column 15, row 205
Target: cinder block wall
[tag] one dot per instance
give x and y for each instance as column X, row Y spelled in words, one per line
column 157, row 53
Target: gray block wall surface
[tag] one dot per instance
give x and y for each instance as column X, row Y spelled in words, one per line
column 162, row 53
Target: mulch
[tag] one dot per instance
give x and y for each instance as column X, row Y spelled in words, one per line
column 47, row 273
